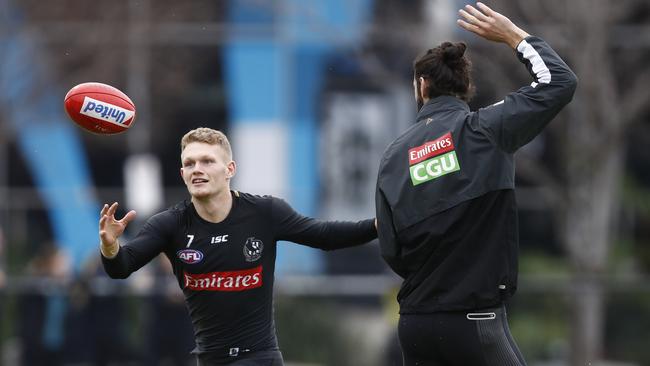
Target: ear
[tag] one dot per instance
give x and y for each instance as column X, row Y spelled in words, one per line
column 423, row 86
column 232, row 169
column 181, row 171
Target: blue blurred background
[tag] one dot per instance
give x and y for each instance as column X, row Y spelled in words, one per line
column 310, row 93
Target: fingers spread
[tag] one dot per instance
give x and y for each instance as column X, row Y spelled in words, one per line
column 112, row 209
column 477, row 24
column 468, row 17
column 476, row 13
column 463, row 24
column 104, row 209
column 485, row 9
column 470, row 27
column 128, row 217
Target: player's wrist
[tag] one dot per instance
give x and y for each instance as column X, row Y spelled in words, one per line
column 516, row 36
column 109, row 251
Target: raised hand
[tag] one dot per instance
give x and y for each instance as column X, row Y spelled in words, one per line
column 110, row 229
column 490, row 25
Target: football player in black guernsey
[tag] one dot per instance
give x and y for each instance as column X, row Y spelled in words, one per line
column 449, row 227
column 222, row 246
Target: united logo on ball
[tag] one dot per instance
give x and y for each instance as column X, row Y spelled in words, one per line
column 100, row 108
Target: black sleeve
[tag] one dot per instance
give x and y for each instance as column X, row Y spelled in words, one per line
column 327, row 235
column 515, row 121
column 145, row 246
column 390, row 249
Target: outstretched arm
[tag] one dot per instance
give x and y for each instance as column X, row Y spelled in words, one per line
column 515, row 121
column 327, row 235
column 120, row 261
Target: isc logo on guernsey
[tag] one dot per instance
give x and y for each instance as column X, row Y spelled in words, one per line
column 433, row 159
column 105, row 111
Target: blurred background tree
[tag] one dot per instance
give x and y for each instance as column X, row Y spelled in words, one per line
column 584, row 181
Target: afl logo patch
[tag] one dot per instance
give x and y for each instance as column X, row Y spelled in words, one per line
column 253, row 249
column 189, row 256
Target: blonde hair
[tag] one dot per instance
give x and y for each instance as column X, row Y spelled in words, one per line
column 208, row 136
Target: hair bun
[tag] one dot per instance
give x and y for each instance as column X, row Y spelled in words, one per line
column 452, row 52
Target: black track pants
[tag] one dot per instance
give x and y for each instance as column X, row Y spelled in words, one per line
column 476, row 338
column 265, row 358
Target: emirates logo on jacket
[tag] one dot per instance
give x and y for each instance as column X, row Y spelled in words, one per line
column 433, row 159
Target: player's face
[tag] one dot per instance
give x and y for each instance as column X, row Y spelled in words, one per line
column 206, row 169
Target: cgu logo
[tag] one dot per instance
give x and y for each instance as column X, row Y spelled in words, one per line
column 189, row 256
column 434, row 168
column 433, row 159
column 105, row 111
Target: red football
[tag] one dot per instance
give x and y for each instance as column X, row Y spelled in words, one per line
column 100, row 108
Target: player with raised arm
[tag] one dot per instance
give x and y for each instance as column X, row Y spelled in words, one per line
column 446, row 210
column 222, row 246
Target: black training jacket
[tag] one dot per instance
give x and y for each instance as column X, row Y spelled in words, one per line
column 445, row 191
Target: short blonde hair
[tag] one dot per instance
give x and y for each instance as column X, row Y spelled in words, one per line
column 208, row 136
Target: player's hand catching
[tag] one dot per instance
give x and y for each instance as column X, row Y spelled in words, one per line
column 490, row 25
column 110, row 228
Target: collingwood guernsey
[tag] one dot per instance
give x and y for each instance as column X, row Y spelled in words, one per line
column 226, row 269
